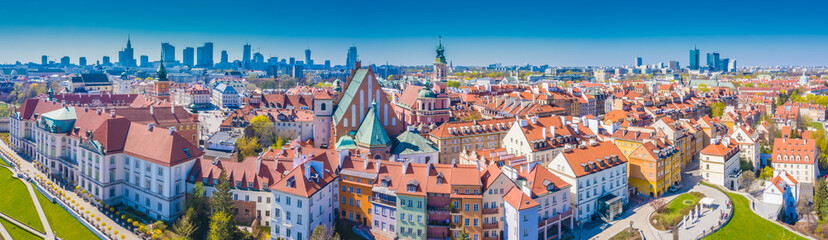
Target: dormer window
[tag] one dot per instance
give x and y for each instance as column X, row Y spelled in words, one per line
column 291, row 182
column 550, row 187
column 384, row 183
column 411, row 188
column 238, row 184
column 439, row 180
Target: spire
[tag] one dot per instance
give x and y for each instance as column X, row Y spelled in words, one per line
column 441, row 58
column 162, row 71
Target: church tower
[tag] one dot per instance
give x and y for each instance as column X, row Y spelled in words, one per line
column 322, row 118
column 162, row 84
column 440, row 70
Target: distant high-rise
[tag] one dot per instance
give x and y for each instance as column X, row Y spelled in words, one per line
column 64, row 61
column 308, row 60
column 713, row 61
column 292, row 60
column 298, row 72
column 694, row 59
column 126, row 57
column 350, row 62
column 106, row 61
column 168, row 51
column 258, row 58
column 732, row 66
column 327, row 64
column 674, row 65
column 638, row 62
column 82, row 61
column 145, row 61
column 724, row 64
column 205, row 55
column 246, row 56
column 224, row 57
column 188, row 56
column 44, row 60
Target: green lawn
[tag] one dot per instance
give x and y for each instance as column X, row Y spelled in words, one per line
column 16, row 232
column 16, row 202
column 63, row 224
column 675, row 209
column 747, row 225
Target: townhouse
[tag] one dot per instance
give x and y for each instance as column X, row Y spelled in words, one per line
column 719, row 163
column 797, row 157
column 452, row 138
column 597, row 174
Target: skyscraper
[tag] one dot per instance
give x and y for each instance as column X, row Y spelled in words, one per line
column 713, row 61
column 126, row 57
column 44, row 60
column 224, row 56
column 638, row 62
column 292, row 60
column 350, row 62
column 246, row 56
column 188, row 56
column 106, row 61
column 327, row 64
column 724, row 64
column 308, row 60
column 168, row 51
column 694, row 59
column 145, row 61
column 258, row 58
column 64, row 61
column 82, row 61
column 205, row 55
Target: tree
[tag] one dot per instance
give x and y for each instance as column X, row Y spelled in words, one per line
column 184, row 226
column 463, row 235
column 703, row 88
column 745, row 165
column 196, row 196
column 323, row 233
column 453, row 84
column 220, row 222
column 262, row 129
column 821, row 199
column 803, row 208
column 657, row 204
column 747, row 179
column 717, row 109
column 222, row 199
column 279, row 143
column 767, row 173
column 248, row 146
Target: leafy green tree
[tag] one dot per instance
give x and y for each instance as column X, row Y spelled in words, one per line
column 323, row 233
column 703, row 88
column 220, row 222
column 453, row 84
column 767, row 173
column 184, row 227
column 248, row 146
column 463, row 235
column 717, row 109
column 280, row 142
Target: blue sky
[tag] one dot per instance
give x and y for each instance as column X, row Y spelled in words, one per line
column 567, row 33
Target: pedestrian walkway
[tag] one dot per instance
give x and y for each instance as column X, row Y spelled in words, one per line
column 711, row 218
column 4, row 233
column 79, row 207
column 46, row 225
column 21, row 225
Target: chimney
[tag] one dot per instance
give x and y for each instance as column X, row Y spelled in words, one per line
column 543, row 129
column 172, row 109
column 552, row 131
column 98, row 111
column 172, row 130
column 112, row 113
column 150, row 126
column 152, row 110
column 365, row 164
column 377, row 166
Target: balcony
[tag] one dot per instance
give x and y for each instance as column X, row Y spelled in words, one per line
column 554, row 219
column 439, row 223
column 456, row 226
column 455, row 210
column 490, row 210
column 436, row 209
column 384, row 201
column 490, row 225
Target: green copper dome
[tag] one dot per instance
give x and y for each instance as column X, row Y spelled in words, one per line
column 426, row 93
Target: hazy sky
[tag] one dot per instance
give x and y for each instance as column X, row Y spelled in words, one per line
column 568, row 33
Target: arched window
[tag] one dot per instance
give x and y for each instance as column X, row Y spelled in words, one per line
column 786, row 158
column 323, row 106
column 377, row 156
column 797, row 158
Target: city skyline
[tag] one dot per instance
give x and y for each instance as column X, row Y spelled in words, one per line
column 603, row 34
